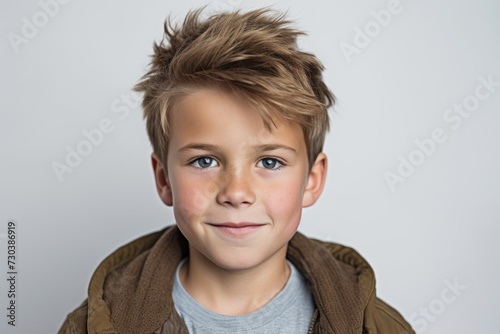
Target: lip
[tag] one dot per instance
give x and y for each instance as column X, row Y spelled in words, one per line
column 237, row 229
column 237, row 225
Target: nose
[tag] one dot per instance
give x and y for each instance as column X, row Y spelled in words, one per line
column 236, row 189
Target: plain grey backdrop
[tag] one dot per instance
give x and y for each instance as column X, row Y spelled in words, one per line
column 412, row 184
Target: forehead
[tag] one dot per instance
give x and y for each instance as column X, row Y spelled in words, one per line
column 211, row 115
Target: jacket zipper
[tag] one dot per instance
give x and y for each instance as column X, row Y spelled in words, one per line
column 313, row 321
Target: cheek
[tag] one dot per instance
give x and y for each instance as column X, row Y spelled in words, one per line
column 284, row 201
column 190, row 199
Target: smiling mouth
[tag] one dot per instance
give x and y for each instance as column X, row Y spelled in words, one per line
column 236, row 225
column 237, row 229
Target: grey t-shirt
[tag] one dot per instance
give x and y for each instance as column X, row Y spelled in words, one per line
column 290, row 311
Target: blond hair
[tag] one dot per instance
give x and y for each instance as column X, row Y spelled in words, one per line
column 252, row 54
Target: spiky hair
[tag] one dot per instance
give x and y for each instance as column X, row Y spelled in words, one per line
column 252, row 54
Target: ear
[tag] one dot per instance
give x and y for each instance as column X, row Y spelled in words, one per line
column 315, row 180
column 162, row 182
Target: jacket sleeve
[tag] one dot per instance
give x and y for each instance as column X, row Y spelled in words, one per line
column 386, row 320
column 76, row 321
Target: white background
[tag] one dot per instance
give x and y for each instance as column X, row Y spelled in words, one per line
column 440, row 225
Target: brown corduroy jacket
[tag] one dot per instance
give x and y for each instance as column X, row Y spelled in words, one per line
column 131, row 290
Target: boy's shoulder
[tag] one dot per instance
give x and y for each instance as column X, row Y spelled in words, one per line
column 343, row 286
column 132, row 288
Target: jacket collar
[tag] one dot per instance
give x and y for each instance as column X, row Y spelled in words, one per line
column 130, row 291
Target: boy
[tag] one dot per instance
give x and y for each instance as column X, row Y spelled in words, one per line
column 237, row 117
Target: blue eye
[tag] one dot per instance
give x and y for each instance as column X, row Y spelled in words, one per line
column 270, row 163
column 204, row 162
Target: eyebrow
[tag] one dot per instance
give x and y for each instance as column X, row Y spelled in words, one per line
column 273, row 147
column 199, row 146
column 216, row 148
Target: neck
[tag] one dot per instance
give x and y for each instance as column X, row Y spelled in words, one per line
column 233, row 292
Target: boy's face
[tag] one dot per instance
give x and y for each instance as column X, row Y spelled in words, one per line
column 237, row 190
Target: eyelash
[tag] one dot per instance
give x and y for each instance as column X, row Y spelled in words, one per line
column 280, row 162
column 198, row 158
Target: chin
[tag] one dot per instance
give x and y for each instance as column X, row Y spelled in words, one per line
column 236, row 262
